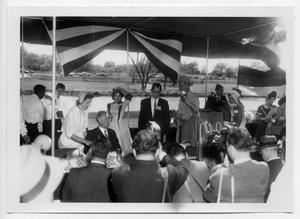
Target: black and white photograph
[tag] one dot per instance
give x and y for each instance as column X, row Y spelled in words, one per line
column 130, row 110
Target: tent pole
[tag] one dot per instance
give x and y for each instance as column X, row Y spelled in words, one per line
column 22, row 56
column 127, row 71
column 237, row 82
column 53, row 84
column 207, row 49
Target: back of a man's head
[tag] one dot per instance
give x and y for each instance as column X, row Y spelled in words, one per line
column 61, row 86
column 239, row 138
column 39, row 90
column 145, row 142
column 100, row 149
column 174, row 149
column 211, row 152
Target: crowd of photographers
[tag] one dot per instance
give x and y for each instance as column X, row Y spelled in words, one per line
column 156, row 173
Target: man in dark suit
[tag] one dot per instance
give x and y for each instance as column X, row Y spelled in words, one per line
column 103, row 132
column 90, row 183
column 155, row 109
column 215, row 102
column 269, row 151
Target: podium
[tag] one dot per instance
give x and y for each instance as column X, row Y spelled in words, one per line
column 211, row 117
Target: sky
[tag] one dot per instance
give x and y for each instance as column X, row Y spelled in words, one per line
column 120, row 57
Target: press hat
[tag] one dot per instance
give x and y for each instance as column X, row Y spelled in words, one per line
column 39, row 175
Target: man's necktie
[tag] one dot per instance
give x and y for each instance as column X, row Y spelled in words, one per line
column 105, row 133
column 154, row 107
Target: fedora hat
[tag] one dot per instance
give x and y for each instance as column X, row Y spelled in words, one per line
column 39, row 175
column 268, row 141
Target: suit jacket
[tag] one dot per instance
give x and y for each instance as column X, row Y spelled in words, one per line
column 162, row 117
column 196, row 171
column 95, row 134
column 221, row 105
column 250, row 183
column 214, row 104
column 142, row 181
column 87, row 184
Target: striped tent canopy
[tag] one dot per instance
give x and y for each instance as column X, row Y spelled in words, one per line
column 77, row 45
column 253, row 82
column 162, row 39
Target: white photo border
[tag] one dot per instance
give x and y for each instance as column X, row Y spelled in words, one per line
column 13, row 107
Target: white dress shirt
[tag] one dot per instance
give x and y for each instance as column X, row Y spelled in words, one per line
column 103, row 130
column 33, row 109
column 23, row 129
column 152, row 105
column 48, row 106
column 76, row 123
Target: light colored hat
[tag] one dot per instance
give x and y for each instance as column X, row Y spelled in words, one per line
column 235, row 94
column 39, row 175
column 185, row 79
column 42, row 142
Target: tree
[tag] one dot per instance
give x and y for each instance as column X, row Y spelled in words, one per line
column 189, row 68
column 132, row 73
column 144, row 69
column 224, row 69
column 109, row 64
column 38, row 62
column 87, row 67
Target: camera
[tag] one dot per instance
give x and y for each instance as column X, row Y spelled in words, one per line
column 219, row 139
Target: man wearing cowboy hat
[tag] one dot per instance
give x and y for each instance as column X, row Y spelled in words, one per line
column 269, row 151
column 187, row 112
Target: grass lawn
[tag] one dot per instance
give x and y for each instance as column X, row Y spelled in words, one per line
column 105, row 87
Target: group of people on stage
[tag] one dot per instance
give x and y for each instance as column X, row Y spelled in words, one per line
column 106, row 165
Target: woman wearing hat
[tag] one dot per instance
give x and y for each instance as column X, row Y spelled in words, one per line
column 118, row 123
column 187, row 114
column 76, row 124
column 262, row 114
column 237, row 107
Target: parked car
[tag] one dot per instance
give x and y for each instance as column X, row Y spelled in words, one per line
column 101, row 74
column 26, row 73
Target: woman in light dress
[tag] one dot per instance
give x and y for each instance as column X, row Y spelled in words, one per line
column 76, row 124
column 115, row 111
